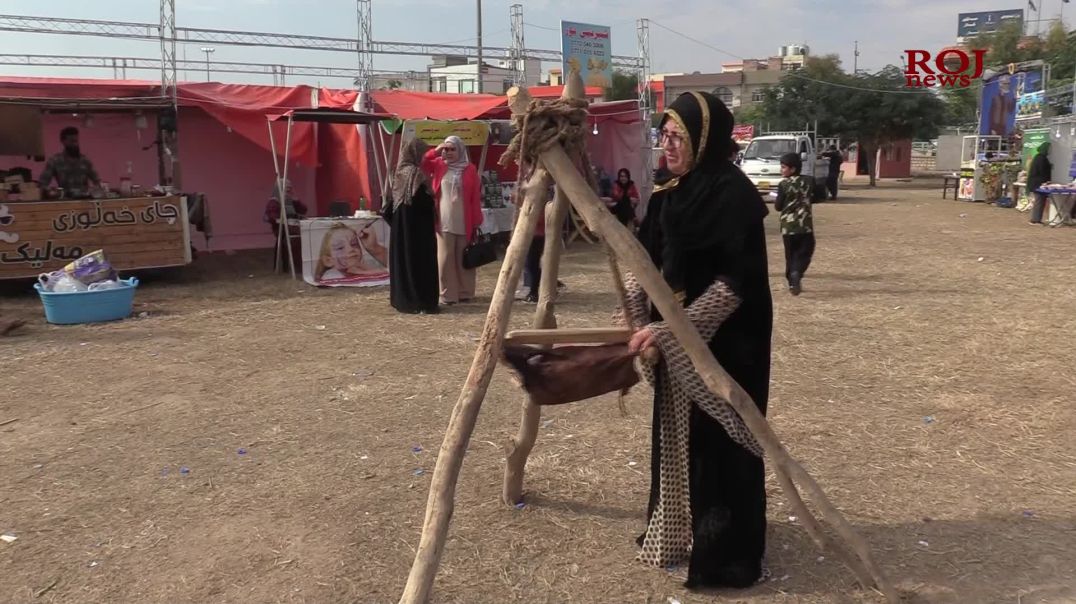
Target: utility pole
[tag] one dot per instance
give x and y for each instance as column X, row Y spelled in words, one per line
column 478, row 86
column 855, row 60
column 208, row 50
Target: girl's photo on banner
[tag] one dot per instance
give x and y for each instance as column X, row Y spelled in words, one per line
column 348, row 252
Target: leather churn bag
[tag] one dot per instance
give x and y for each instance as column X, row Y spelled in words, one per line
column 567, row 374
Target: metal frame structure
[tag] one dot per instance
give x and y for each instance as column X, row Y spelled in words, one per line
column 226, row 37
column 120, row 65
column 167, row 34
column 642, row 30
column 364, row 44
column 519, row 67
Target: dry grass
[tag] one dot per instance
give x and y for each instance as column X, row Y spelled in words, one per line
column 327, row 392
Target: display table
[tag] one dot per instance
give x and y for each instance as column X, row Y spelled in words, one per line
column 498, row 220
column 135, row 233
column 1059, row 210
column 953, row 178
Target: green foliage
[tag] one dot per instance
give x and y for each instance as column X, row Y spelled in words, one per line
column 871, row 109
column 624, row 86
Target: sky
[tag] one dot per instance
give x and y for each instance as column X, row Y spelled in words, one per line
column 740, row 28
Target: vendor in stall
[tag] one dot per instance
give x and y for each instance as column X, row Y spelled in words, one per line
column 73, row 172
column 294, row 209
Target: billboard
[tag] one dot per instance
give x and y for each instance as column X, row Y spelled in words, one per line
column 587, row 47
column 1008, row 97
column 970, row 25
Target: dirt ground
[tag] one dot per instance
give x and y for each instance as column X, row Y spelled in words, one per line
column 253, row 439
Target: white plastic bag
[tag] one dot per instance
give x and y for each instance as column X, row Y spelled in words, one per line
column 107, row 284
column 48, row 280
column 68, row 284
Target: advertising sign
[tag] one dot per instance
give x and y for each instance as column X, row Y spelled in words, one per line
column 1010, row 96
column 433, row 132
column 587, row 48
column 742, row 133
column 970, row 25
column 41, row 237
column 1033, row 139
column 345, row 252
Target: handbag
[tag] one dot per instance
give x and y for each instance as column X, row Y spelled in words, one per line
column 479, row 252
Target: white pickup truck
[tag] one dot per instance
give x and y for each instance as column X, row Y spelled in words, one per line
column 762, row 160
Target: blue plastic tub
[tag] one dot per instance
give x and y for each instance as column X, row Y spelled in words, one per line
column 71, row 308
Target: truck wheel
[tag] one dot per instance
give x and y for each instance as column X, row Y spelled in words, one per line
column 820, row 193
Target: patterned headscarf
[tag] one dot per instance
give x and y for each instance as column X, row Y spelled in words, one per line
column 409, row 177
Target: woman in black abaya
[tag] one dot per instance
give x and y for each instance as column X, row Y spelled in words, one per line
column 413, row 245
column 704, row 230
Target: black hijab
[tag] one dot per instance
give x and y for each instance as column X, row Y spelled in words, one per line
column 708, row 206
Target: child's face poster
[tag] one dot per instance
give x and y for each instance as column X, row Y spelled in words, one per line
column 345, row 252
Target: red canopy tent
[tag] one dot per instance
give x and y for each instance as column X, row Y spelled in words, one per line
column 337, row 158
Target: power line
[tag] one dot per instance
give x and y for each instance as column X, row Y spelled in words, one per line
column 790, row 73
column 556, row 29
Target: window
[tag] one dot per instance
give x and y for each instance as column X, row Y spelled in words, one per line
column 467, row 86
column 724, row 94
column 759, row 94
column 803, row 146
column 438, row 85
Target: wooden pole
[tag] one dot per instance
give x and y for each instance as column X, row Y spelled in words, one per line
column 548, row 336
column 518, row 449
column 631, row 254
column 446, row 471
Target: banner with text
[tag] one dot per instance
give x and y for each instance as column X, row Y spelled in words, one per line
column 587, row 47
column 433, row 132
column 40, row 237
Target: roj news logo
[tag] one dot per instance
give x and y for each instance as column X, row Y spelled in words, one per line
column 951, row 68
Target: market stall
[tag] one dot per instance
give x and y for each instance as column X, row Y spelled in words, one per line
column 618, row 140
column 305, row 230
column 43, row 229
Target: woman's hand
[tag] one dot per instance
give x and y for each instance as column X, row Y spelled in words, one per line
column 641, row 340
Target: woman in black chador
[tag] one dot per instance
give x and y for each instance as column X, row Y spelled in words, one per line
column 413, row 281
column 704, row 230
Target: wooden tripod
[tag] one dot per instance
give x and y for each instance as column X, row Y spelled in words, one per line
column 555, row 165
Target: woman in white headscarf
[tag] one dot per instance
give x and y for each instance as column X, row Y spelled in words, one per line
column 458, row 193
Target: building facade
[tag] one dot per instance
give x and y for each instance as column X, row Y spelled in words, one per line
column 458, row 75
column 740, row 83
column 736, row 88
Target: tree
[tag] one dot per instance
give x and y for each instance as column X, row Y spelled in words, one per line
column 881, row 110
column 871, row 109
column 624, row 86
column 804, row 97
column 748, row 114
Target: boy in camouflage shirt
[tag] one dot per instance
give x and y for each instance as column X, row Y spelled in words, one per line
column 797, row 222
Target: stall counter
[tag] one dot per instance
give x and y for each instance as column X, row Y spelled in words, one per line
column 135, row 233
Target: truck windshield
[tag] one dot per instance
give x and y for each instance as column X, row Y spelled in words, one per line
column 770, row 149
